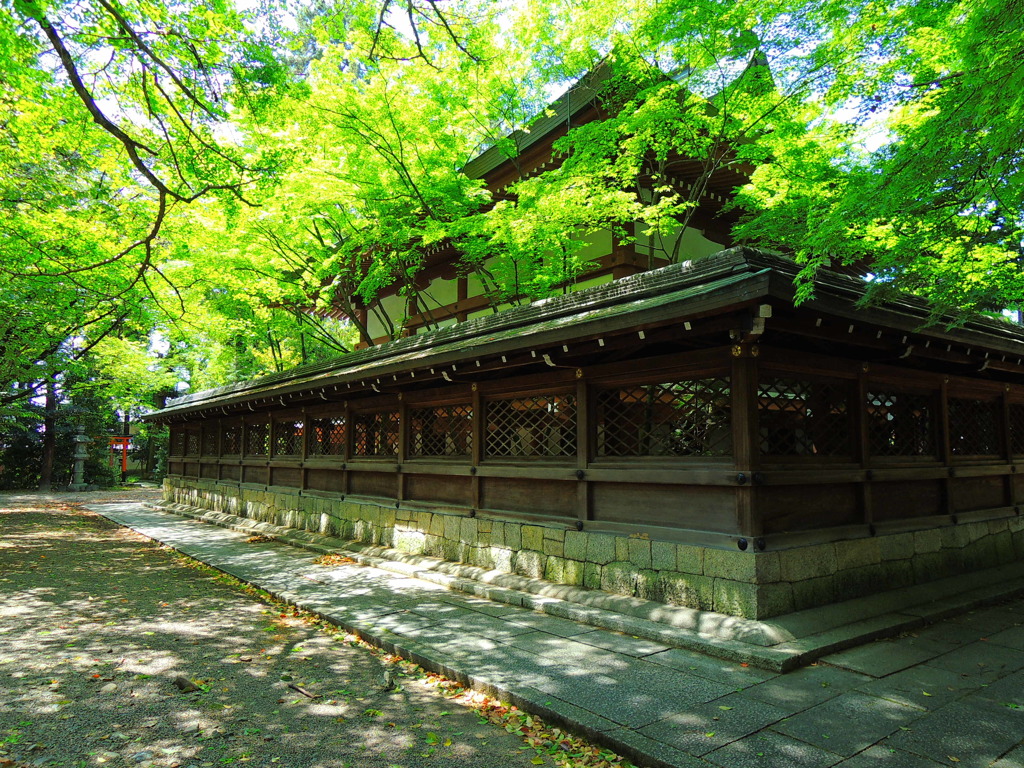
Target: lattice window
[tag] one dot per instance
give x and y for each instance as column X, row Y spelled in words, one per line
column 900, row 424
column 231, row 439
column 973, row 427
column 375, row 434
column 1017, row 427
column 804, row 418
column 257, row 439
column 683, row 418
column 327, row 436
column 541, row 425
column 178, row 442
column 210, row 441
column 446, row 430
column 192, row 442
column 288, row 437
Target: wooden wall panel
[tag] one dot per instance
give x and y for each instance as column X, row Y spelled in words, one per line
column 286, row 476
column 326, row 480
column 701, row 507
column 801, row 508
column 906, row 499
column 254, row 475
column 191, row 469
column 175, row 468
column 208, row 471
column 230, row 472
column 977, row 493
column 383, row 484
column 529, row 496
column 440, row 488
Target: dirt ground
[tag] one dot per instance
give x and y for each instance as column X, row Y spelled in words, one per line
column 100, row 628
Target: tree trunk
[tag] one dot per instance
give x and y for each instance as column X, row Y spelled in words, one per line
column 49, row 437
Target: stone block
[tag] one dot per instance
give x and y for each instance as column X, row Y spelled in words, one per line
column 1004, row 548
column 533, row 537
column 897, row 573
column 690, row 559
column 451, row 527
column 513, row 536
column 981, row 554
column 955, row 536
column 409, row 541
column 592, row 575
column 554, row 547
column 468, row 530
column 640, row 553
column 600, row 548
column 619, row 578
column 805, row 563
column 555, row 534
column 437, row 525
column 576, row 545
column 573, row 573
column 856, row 582
column 731, row 564
column 689, row 590
column 649, row 585
column 813, row 592
column 529, row 563
column 554, row 570
column 621, row 549
column 433, row 545
column 736, row 598
column 898, row 546
column 663, row 556
column 998, row 526
column 370, row 513
column 857, row 553
column 927, row 541
column 422, row 521
column 501, row 559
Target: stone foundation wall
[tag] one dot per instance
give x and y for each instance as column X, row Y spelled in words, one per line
column 749, row 584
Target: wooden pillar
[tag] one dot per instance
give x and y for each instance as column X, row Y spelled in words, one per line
column 745, row 437
column 584, row 451
column 476, row 456
column 862, row 449
column 946, row 446
column 403, row 447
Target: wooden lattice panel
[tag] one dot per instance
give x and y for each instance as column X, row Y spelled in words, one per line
column 804, row 418
column 900, row 424
column 445, row 430
column 327, row 436
column 682, row 418
column 538, row 425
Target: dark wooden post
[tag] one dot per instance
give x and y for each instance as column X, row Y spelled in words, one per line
column 946, row 445
column 584, row 430
column 745, row 442
column 862, row 450
column 476, row 456
column 403, row 446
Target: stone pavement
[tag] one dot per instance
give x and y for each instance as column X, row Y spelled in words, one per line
column 949, row 693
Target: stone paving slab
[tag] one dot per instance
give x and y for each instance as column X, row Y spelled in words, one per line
column 662, row 707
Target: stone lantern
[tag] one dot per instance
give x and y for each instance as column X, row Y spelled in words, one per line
column 80, row 455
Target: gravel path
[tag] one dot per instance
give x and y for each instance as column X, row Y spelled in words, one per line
column 97, row 623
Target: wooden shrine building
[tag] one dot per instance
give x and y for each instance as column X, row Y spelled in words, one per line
column 685, row 434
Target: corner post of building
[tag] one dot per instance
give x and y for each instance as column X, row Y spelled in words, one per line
column 403, row 447
column 477, row 453
column 946, row 446
column 1006, row 447
column 584, row 419
column 860, row 431
column 271, row 447
column 304, row 450
column 346, row 453
column 746, row 453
